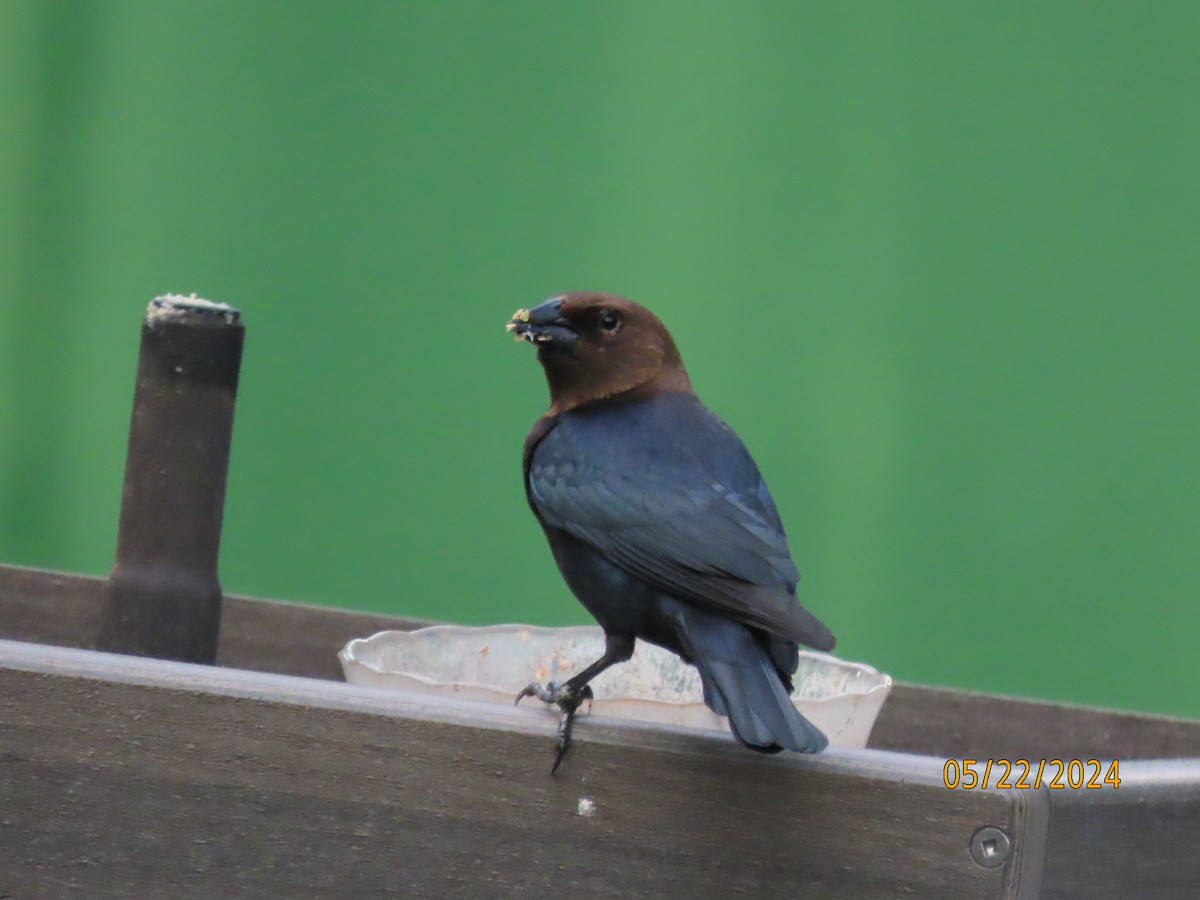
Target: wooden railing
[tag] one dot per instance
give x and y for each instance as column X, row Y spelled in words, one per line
column 267, row 776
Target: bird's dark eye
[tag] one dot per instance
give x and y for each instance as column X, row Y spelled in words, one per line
column 610, row 321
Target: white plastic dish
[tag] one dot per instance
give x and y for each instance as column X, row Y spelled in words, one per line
column 492, row 664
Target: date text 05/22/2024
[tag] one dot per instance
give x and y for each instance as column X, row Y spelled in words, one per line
column 1004, row 774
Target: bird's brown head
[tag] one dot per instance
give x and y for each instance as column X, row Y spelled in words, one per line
column 594, row 346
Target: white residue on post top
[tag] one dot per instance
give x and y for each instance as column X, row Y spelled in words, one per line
column 177, row 307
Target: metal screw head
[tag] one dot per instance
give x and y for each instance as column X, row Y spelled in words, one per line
column 990, row 847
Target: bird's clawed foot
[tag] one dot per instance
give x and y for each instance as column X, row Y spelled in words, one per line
column 568, row 699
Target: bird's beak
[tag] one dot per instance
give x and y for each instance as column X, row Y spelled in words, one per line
column 543, row 325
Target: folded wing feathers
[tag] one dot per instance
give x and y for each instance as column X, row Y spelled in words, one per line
column 707, row 545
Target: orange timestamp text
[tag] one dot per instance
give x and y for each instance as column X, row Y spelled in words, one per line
column 1057, row 774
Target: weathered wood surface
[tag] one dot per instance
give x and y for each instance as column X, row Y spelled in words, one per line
column 263, row 635
column 1139, row 841
column 124, row 776
column 133, row 777
column 299, row 639
column 945, row 722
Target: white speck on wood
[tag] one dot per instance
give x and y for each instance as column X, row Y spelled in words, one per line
column 587, row 808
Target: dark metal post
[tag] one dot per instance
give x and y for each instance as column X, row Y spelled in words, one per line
column 163, row 598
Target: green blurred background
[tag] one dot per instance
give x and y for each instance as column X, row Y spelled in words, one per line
column 937, row 263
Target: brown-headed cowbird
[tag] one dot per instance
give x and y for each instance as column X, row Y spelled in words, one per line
column 660, row 522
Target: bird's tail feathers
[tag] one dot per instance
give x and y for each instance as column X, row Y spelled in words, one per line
column 741, row 682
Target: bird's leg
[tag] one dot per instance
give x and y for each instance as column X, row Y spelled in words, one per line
column 569, row 696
